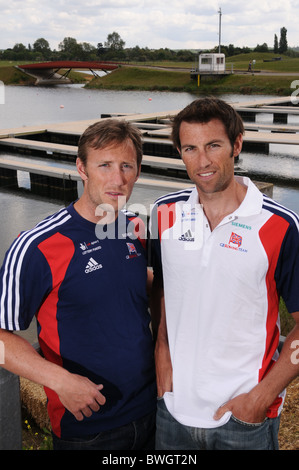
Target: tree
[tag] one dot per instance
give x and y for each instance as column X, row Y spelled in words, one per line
column 115, row 42
column 262, row 47
column 70, row 48
column 88, row 51
column 19, row 48
column 42, row 46
column 101, row 50
column 18, row 52
column 231, row 50
column 275, row 44
column 283, row 43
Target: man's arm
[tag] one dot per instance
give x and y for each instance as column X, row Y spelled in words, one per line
column 78, row 394
column 252, row 407
column 162, row 354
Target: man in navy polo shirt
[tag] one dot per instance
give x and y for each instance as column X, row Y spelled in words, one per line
column 83, row 272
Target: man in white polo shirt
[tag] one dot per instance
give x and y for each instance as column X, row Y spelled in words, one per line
column 223, row 254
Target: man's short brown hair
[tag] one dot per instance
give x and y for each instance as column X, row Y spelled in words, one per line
column 109, row 132
column 204, row 110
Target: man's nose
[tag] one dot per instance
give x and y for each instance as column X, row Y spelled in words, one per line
column 203, row 158
column 118, row 176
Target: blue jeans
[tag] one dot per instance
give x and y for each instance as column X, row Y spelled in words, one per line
column 234, row 435
column 138, row 435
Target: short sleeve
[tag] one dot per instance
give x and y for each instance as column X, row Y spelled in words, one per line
column 287, row 270
column 25, row 280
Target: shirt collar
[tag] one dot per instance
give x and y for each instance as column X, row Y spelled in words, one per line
column 251, row 204
column 253, row 201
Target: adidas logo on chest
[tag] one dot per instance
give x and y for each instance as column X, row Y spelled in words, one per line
column 187, row 237
column 92, row 265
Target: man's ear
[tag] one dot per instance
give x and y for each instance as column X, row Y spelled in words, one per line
column 81, row 169
column 138, row 173
column 238, row 145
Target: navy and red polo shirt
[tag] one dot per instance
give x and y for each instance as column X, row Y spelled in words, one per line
column 88, row 293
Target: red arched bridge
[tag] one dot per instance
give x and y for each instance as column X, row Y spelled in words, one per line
column 47, row 73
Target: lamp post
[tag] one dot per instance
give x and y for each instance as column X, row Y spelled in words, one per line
column 220, row 14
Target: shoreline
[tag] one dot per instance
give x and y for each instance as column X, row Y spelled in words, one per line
column 134, row 78
column 137, row 78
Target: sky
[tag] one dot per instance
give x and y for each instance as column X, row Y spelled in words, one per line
column 173, row 24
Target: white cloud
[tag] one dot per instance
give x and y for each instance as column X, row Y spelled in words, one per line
column 149, row 23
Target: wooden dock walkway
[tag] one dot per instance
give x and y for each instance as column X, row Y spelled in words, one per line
column 69, row 173
column 156, row 125
column 278, row 137
column 52, row 148
column 58, row 141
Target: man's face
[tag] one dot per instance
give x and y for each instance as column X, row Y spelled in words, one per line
column 109, row 175
column 208, row 155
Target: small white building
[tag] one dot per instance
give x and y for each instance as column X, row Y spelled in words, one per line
column 212, row 63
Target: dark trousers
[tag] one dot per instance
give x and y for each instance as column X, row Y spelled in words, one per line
column 138, row 435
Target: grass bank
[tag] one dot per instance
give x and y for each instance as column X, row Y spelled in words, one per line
column 138, row 78
column 10, row 75
column 177, row 77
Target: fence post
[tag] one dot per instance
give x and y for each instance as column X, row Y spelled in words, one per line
column 10, row 411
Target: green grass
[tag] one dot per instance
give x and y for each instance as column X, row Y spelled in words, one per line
column 11, row 63
column 250, row 84
column 9, row 75
column 130, row 78
column 286, row 64
column 240, row 62
column 134, row 78
column 140, row 78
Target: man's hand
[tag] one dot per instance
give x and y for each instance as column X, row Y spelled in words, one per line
column 77, row 393
column 81, row 396
column 163, row 368
column 252, row 407
column 243, row 408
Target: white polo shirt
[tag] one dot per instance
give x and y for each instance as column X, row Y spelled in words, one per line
column 221, row 296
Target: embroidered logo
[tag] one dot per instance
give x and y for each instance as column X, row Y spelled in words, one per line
column 237, row 239
column 237, row 224
column 132, row 251
column 187, row 237
column 235, row 242
column 89, row 247
column 92, row 265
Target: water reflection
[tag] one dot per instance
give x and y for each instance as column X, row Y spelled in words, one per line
column 277, row 165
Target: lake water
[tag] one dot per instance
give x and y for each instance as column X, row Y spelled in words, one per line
column 26, row 106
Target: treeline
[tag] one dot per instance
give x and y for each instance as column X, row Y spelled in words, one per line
column 114, row 49
column 70, row 49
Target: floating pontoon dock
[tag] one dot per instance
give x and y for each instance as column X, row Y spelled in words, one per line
column 49, row 151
